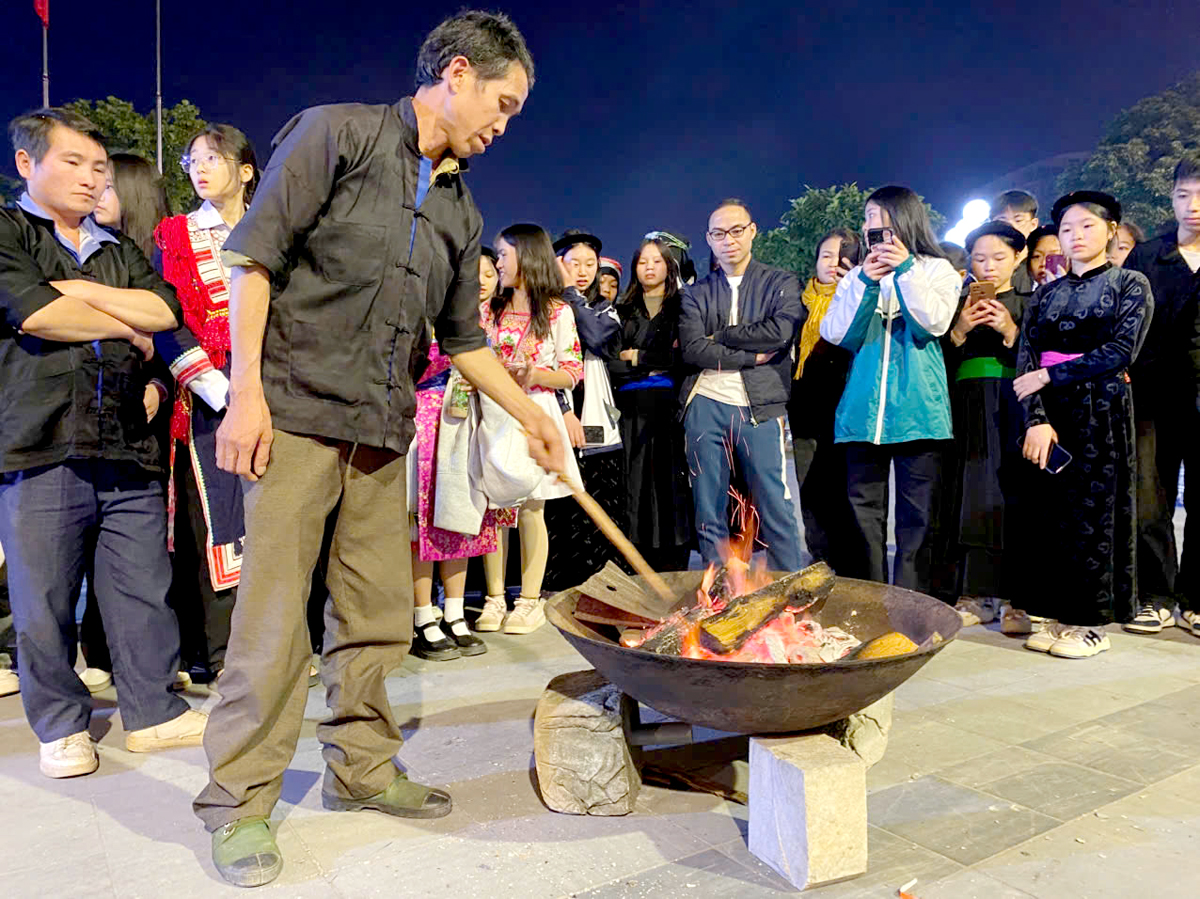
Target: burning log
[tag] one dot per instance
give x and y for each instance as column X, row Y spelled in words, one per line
column 671, row 636
column 725, row 631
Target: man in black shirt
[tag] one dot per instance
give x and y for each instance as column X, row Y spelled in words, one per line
column 1166, row 392
column 361, row 236
column 80, row 488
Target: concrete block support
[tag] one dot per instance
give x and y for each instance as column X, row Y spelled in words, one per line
column 808, row 808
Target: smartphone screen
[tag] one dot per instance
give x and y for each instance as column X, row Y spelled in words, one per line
column 980, row 291
column 1058, row 459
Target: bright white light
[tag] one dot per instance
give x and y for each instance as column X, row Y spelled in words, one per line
column 974, row 214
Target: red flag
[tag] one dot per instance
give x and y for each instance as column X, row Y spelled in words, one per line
column 42, row 8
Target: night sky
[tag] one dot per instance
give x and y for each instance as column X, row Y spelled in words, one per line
column 644, row 114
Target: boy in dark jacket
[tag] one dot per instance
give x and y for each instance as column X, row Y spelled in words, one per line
column 737, row 328
column 80, row 470
column 1166, row 389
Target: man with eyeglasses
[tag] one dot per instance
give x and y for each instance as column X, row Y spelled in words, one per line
column 737, row 328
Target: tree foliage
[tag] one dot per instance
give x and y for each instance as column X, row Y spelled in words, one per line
column 793, row 245
column 1135, row 159
column 128, row 131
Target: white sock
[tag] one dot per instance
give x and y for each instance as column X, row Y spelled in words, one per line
column 454, row 612
column 425, row 620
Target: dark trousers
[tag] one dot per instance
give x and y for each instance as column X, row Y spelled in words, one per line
column 918, row 480
column 828, row 519
column 1165, row 441
column 715, row 433
column 56, row 520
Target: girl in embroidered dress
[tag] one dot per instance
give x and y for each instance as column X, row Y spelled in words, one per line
column 205, row 503
column 1078, row 338
column 449, row 549
column 532, row 330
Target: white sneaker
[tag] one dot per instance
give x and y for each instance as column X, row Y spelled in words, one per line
column 1045, row 635
column 9, row 682
column 1081, row 643
column 528, row 614
column 1188, row 620
column 182, row 681
column 495, row 608
column 1150, row 619
column 184, row 730
column 69, row 757
column 96, row 679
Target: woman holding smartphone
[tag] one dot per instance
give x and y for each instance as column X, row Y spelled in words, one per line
column 1078, row 338
column 984, row 491
column 895, row 412
column 1045, row 260
column 820, row 378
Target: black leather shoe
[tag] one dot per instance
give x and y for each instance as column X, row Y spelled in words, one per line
column 442, row 650
column 468, row 644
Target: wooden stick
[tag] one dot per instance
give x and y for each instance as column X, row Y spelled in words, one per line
column 609, row 529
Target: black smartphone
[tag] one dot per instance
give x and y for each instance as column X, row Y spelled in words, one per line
column 593, row 435
column 850, row 254
column 878, row 236
column 1058, row 460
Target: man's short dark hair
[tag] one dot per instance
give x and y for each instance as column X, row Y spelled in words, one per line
column 1017, row 201
column 1188, row 168
column 489, row 40
column 734, row 201
column 31, row 132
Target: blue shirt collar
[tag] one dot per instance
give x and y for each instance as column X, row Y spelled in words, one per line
column 91, row 234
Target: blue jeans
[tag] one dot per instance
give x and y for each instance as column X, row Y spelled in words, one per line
column 717, row 432
column 106, row 519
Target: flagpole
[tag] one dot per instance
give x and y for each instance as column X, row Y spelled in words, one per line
column 158, row 79
column 45, row 65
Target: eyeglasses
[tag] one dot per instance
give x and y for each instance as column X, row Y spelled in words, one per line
column 716, row 235
column 209, row 161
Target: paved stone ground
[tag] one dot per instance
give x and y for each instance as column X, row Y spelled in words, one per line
column 1009, row 774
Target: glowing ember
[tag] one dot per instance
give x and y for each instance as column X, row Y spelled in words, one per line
column 791, row 637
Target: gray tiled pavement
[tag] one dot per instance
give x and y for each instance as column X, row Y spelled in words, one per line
column 1009, row 774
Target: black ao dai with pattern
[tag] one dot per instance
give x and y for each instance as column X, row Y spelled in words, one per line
column 1084, row 571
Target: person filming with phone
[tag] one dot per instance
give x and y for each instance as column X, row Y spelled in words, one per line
column 889, row 312
column 1079, row 336
column 985, row 488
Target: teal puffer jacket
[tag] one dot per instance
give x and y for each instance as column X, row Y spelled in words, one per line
column 897, row 389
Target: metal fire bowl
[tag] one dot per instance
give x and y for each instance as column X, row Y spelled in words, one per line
column 753, row 698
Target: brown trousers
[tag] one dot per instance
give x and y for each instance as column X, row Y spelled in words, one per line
column 252, row 732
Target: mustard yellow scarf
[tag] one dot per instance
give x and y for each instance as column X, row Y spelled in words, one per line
column 816, row 297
